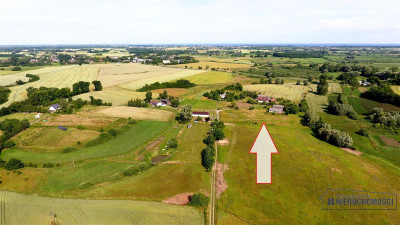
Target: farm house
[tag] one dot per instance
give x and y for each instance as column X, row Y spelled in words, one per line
column 265, row 98
column 54, row 108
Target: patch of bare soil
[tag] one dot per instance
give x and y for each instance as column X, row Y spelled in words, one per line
column 220, row 183
column 180, row 133
column 179, row 199
column 223, row 142
column 243, row 104
column 159, row 158
column 355, row 152
column 390, row 141
column 229, row 124
column 153, row 144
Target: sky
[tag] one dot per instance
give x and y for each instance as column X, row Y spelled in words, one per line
column 41, row 22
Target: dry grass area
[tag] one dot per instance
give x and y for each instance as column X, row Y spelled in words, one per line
column 288, row 91
column 85, row 119
column 52, row 139
column 58, row 77
column 14, row 76
column 25, row 182
column 134, row 113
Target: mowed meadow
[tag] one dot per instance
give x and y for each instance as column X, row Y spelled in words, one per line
column 20, row 208
column 301, row 173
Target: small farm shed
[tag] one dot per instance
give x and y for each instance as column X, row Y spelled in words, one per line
column 201, row 114
column 277, row 109
column 62, row 128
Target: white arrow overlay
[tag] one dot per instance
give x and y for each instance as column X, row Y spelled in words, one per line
column 264, row 147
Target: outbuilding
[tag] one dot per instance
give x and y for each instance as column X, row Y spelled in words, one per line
column 201, row 114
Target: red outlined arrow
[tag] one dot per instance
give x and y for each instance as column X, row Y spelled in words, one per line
column 264, row 147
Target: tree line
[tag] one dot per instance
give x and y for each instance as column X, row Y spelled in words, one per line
column 208, row 154
column 177, row 84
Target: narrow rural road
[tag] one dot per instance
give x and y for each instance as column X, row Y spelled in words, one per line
column 213, row 183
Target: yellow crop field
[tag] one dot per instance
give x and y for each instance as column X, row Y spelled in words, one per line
column 59, row 78
column 134, row 113
column 12, row 77
column 211, row 77
column 119, row 80
column 114, row 94
column 288, row 91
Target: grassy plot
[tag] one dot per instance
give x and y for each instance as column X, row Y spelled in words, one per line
column 52, row 139
column 317, row 102
column 288, row 91
column 182, row 173
column 368, row 145
column 136, row 136
column 82, row 176
column 211, row 78
column 36, row 210
column 363, row 105
column 157, row 183
column 191, row 143
column 302, row 171
column 205, row 104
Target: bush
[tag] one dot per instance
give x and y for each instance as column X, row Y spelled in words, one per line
column 199, row 200
column 68, row 149
column 14, row 164
column 8, row 144
column 172, row 143
column 335, row 137
column 80, row 127
column 133, row 170
column 342, row 109
column 48, row 165
column 17, row 68
column 363, row 132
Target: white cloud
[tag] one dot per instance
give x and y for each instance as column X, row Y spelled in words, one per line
column 196, row 21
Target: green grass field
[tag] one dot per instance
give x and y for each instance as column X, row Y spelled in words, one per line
column 39, row 210
column 212, row 77
column 304, row 168
column 204, row 104
column 138, row 135
column 364, row 106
